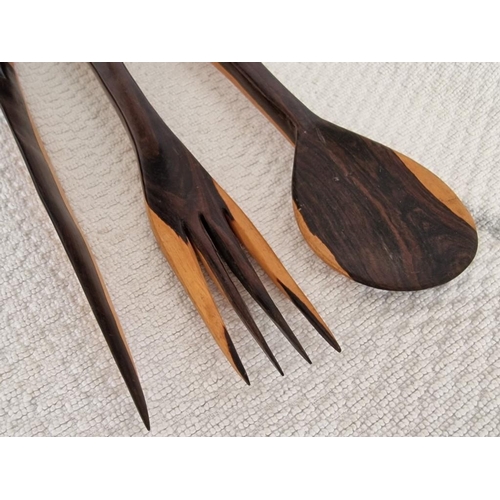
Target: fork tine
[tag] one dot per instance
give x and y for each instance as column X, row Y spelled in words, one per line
column 230, row 248
column 182, row 258
column 209, row 255
column 260, row 250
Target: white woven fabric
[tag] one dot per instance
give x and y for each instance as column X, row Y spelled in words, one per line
column 423, row 363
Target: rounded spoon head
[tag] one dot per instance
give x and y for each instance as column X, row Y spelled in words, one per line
column 375, row 215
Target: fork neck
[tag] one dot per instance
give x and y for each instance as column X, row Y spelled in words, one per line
column 144, row 124
column 270, row 95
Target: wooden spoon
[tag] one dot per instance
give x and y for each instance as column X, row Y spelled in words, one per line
column 368, row 211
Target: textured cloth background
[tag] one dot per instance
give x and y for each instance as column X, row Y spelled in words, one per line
column 424, row 363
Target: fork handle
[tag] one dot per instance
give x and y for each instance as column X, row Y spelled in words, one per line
column 147, row 129
column 270, row 95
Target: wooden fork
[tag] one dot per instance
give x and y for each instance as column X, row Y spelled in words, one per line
column 194, row 220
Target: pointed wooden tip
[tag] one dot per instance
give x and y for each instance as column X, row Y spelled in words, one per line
column 312, row 317
column 211, row 257
column 128, row 371
column 298, row 347
column 280, row 371
column 260, row 250
column 235, row 358
column 139, row 400
column 183, row 260
column 145, row 417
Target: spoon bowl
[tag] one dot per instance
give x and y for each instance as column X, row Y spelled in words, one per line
column 371, row 213
column 374, row 214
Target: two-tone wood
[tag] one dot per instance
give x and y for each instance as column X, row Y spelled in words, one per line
column 195, row 222
column 14, row 107
column 371, row 213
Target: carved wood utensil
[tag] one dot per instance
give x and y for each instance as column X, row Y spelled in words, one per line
column 16, row 112
column 368, row 211
column 195, row 220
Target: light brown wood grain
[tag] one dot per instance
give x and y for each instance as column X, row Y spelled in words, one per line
column 260, row 250
column 438, row 188
column 183, row 260
column 420, row 235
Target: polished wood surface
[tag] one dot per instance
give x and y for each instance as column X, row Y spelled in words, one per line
column 183, row 259
column 260, row 250
column 195, row 222
column 370, row 212
column 51, row 194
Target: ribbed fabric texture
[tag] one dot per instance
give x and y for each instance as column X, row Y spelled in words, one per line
column 413, row 364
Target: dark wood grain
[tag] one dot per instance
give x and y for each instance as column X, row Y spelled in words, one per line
column 195, row 220
column 370, row 212
column 51, row 195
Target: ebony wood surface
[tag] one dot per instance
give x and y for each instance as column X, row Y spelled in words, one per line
column 194, row 219
column 15, row 110
column 368, row 211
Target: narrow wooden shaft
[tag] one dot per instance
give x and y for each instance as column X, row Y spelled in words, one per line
column 275, row 100
column 146, row 127
column 13, row 105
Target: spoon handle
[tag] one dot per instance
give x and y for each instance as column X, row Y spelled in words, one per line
column 270, row 95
